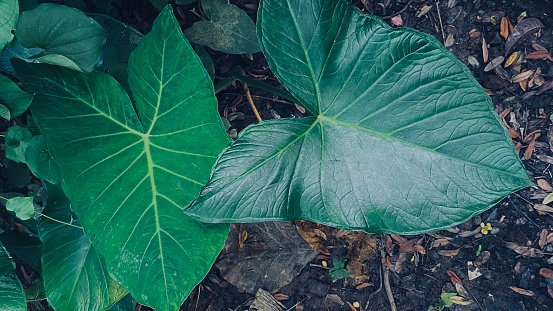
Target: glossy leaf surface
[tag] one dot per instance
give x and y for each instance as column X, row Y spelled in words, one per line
column 9, row 14
column 13, row 98
column 75, row 276
column 23, row 207
column 129, row 179
column 403, row 139
column 229, row 29
column 40, row 162
column 11, row 292
column 46, row 27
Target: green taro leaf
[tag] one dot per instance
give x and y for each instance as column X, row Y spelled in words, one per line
column 229, row 29
column 66, row 36
column 40, row 162
column 9, row 14
column 23, row 207
column 129, row 180
column 12, row 297
column 26, row 247
column 75, row 276
column 402, row 138
column 11, row 96
column 17, row 140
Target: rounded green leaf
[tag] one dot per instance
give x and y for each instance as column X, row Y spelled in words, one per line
column 40, row 162
column 23, row 207
column 11, row 96
column 229, row 29
column 66, row 36
column 403, row 139
column 17, row 140
column 11, row 292
column 9, row 14
column 129, row 177
column 75, row 276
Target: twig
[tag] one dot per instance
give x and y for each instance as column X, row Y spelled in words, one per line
column 389, row 293
column 440, row 19
column 398, row 12
column 250, row 100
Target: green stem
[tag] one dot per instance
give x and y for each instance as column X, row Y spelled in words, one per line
column 255, row 83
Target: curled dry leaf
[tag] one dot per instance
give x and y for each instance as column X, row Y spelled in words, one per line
column 363, row 285
column 482, row 259
column 539, row 55
column 449, row 41
column 449, row 252
column 458, row 300
column 522, row 30
column 461, row 290
column 543, row 208
column 504, row 28
column 542, row 183
column 548, row 85
column 485, row 53
column 523, row 76
column 522, row 291
column 335, row 298
column 511, row 59
column 543, row 238
column 453, row 277
column 546, row 273
column 439, row 242
column 538, row 47
column 494, row 63
column 281, row 297
column 524, row 250
column 423, row 10
column 473, row 33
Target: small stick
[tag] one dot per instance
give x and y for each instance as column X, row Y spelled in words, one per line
column 389, row 288
column 440, row 18
column 250, row 100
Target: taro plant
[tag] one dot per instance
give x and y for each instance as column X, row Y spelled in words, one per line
column 401, row 139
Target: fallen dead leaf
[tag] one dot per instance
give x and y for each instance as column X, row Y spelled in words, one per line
column 539, row 55
column 547, row 85
column 439, row 242
column 494, row 63
column 523, row 85
column 504, row 28
column 473, row 272
column 449, row 41
column 543, row 208
column 485, row 53
column 335, row 298
column 461, row 290
column 546, row 273
column 505, row 112
column 542, row 183
column 458, row 300
column 398, row 238
column 513, row 133
column 538, row 47
column 522, row 30
column 363, row 285
column 525, row 75
column 522, row 291
column 543, row 238
column 281, row 297
column 524, row 250
column 423, row 10
column 473, row 33
column 529, row 149
column 351, row 307
column 549, row 238
column 300, row 108
column 453, row 277
column 482, row 259
column 511, row 59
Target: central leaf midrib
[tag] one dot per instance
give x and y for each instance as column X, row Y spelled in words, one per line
column 391, row 138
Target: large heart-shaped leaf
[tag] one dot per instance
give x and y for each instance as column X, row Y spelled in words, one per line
column 11, row 292
column 66, row 36
column 402, row 140
column 75, row 276
column 129, row 179
column 9, row 14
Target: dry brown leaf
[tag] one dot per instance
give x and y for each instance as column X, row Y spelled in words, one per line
column 449, row 41
column 543, row 208
column 300, row 108
column 538, row 47
column 473, row 33
column 538, row 55
column 281, row 297
column 522, row 291
column 419, row 249
column 550, row 291
column 449, row 252
column 423, row 10
column 439, row 242
column 522, row 30
column 485, row 53
column 543, row 238
column 542, row 183
column 548, row 85
column 523, row 85
column 482, row 259
column 461, row 290
column 525, row 75
column 518, row 147
column 335, row 298
column 531, row 136
column 524, row 250
column 511, row 59
column 242, row 237
column 546, row 273
column 505, row 112
column 529, row 150
column 549, row 238
column 351, row 307
column 363, row 285
column 453, row 277
column 398, row 238
column 504, row 28
column 513, row 133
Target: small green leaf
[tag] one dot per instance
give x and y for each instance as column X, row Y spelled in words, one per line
column 445, row 299
column 17, row 140
column 9, row 14
column 229, row 29
column 402, row 139
column 11, row 96
column 23, row 207
column 75, row 276
column 67, row 36
column 338, row 271
column 40, row 162
column 12, row 296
